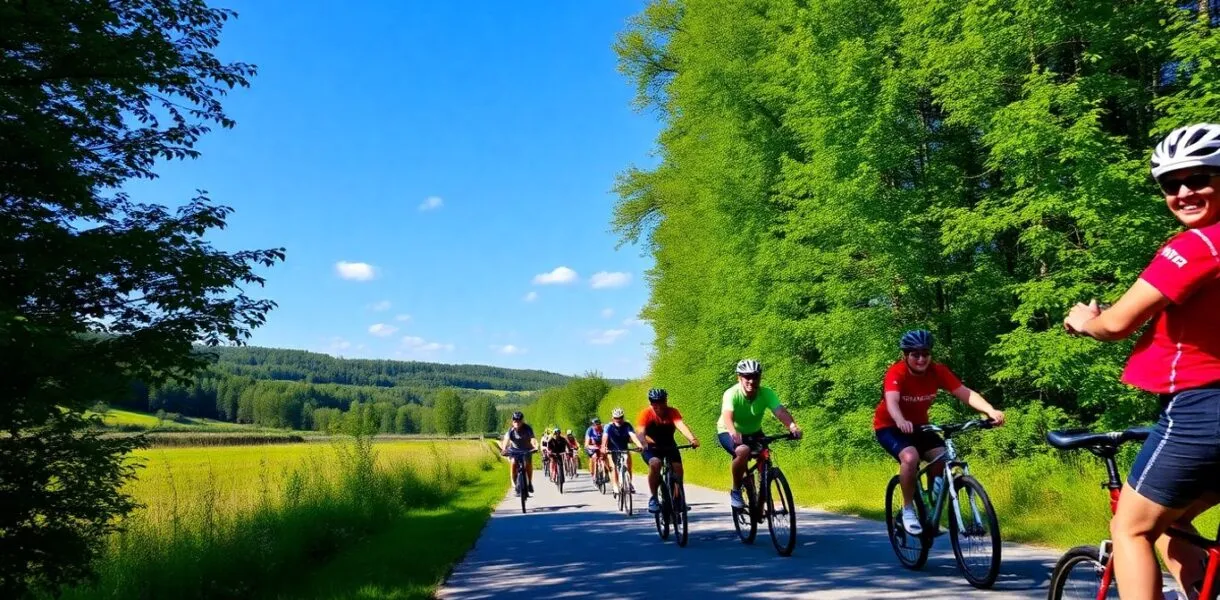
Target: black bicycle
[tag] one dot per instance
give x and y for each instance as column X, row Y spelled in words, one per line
column 974, row 529
column 672, row 502
column 558, row 473
column 600, row 476
column 626, row 488
column 772, row 501
column 522, row 484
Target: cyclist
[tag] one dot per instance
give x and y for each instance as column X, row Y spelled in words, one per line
column 556, row 447
column 659, row 421
column 544, row 444
column 1176, row 475
column 572, row 446
column 910, row 387
column 742, row 408
column 521, row 437
column 618, row 433
column 593, row 446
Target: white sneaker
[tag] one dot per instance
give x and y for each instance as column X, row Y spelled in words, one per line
column 910, row 520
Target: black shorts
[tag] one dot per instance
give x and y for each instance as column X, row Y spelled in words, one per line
column 1180, row 461
column 726, row 441
column 670, row 452
column 894, row 440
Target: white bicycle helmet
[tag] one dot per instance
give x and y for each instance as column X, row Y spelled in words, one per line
column 1195, row 145
column 749, row 366
column 617, row 413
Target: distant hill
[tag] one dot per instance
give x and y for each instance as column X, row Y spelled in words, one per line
column 312, row 367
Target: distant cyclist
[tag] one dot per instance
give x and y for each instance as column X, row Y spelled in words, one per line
column 1176, row 475
column 618, row 433
column 557, row 446
column 658, row 422
column 742, row 408
column 572, row 446
column 519, row 437
column 593, row 446
column 910, row 387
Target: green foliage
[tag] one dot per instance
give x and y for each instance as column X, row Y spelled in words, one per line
column 100, row 290
column 969, row 167
column 569, row 407
column 449, row 413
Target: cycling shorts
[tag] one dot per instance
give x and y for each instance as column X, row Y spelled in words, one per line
column 726, row 441
column 671, row 452
column 894, row 441
column 591, row 452
column 1180, row 460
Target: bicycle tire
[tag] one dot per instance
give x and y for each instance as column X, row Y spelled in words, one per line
column 981, row 579
column 915, row 556
column 630, row 500
column 1078, row 574
column 559, row 483
column 662, row 516
column 743, row 518
column 523, row 484
column 676, row 508
column 784, row 541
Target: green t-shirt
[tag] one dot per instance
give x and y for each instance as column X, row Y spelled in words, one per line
column 747, row 415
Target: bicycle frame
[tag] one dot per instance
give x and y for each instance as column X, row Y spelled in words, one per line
column 762, row 464
column 953, row 469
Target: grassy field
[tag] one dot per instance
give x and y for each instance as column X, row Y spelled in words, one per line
column 1043, row 502
column 302, row 520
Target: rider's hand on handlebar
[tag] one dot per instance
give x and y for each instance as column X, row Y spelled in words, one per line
column 997, row 416
column 795, row 430
column 736, row 438
column 905, row 426
column 694, row 442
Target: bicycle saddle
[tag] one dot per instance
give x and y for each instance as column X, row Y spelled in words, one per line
column 1072, row 439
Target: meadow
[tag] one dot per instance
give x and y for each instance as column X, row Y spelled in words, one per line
column 299, row 520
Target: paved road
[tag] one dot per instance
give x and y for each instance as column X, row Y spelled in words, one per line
column 578, row 544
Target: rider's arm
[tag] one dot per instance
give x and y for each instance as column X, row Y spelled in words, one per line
column 504, row 442
column 892, row 404
column 726, row 419
column 972, row 399
column 681, row 425
column 1141, row 302
column 785, row 417
column 638, row 442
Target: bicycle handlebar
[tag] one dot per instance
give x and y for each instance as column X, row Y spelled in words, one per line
column 956, row 428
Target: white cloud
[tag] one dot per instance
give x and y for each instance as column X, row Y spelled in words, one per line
column 355, row 271
column 509, row 349
column 432, row 203
column 607, row 336
column 610, row 280
column 382, row 330
column 607, row 313
column 380, row 306
column 421, row 346
column 633, row 322
column 559, row 275
column 530, row 297
column 403, row 318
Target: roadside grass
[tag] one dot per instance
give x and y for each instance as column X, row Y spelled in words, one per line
column 1057, row 503
column 250, row 521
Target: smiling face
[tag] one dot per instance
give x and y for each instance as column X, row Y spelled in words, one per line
column 1191, row 195
column 918, row 360
column 749, row 384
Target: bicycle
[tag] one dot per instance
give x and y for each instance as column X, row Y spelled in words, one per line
column 668, row 515
column 522, row 484
column 558, row 472
column 600, row 477
column 781, row 517
column 570, row 463
column 626, row 488
column 975, row 520
column 1095, row 574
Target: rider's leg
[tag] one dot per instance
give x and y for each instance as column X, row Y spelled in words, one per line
column 1185, row 560
column 512, row 473
column 529, row 470
column 654, row 475
column 1137, row 523
column 934, row 468
column 614, row 474
column 908, row 473
column 741, row 458
column 677, row 478
column 630, row 480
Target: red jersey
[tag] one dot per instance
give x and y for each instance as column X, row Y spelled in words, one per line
column 916, row 392
column 660, row 429
column 1181, row 349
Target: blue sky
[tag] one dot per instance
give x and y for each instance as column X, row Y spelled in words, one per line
column 440, row 175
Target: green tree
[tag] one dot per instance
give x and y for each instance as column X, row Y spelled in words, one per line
column 481, row 415
column 448, row 412
column 98, row 289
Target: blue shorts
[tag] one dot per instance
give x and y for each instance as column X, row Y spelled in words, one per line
column 590, row 453
column 671, row 452
column 726, row 441
column 1180, row 461
column 894, row 440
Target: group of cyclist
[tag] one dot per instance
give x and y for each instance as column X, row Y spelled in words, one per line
column 1176, row 475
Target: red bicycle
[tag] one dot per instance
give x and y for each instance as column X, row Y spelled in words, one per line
column 1086, row 571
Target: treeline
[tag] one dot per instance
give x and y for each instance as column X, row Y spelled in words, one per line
column 970, row 167
column 569, row 407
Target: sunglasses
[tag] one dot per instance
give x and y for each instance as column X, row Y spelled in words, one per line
column 754, row 377
column 919, row 354
column 1195, row 181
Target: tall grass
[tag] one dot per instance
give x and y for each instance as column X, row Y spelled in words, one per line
column 206, row 533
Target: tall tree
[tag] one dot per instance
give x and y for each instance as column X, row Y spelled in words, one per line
column 448, row 413
column 97, row 289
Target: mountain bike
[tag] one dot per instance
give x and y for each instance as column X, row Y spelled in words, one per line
column 600, row 477
column 1086, row 571
column 626, row 487
column 570, row 463
column 558, row 472
column 673, row 504
column 974, row 529
column 772, row 501
column 522, row 484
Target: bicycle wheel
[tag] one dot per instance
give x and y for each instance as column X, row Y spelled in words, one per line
column 912, row 551
column 781, row 512
column 677, row 508
column 524, row 486
column 662, row 516
column 743, row 519
column 977, row 548
column 1078, row 574
column 630, row 499
column 559, row 480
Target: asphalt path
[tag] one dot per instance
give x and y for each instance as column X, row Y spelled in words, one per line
column 577, row 544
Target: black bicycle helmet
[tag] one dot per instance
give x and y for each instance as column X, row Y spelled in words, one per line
column 916, row 339
column 657, row 395
column 518, row 416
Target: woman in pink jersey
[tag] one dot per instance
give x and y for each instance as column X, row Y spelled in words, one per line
column 1177, row 474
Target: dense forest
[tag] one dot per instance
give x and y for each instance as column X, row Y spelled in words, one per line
column 304, row 390
column 833, row 173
